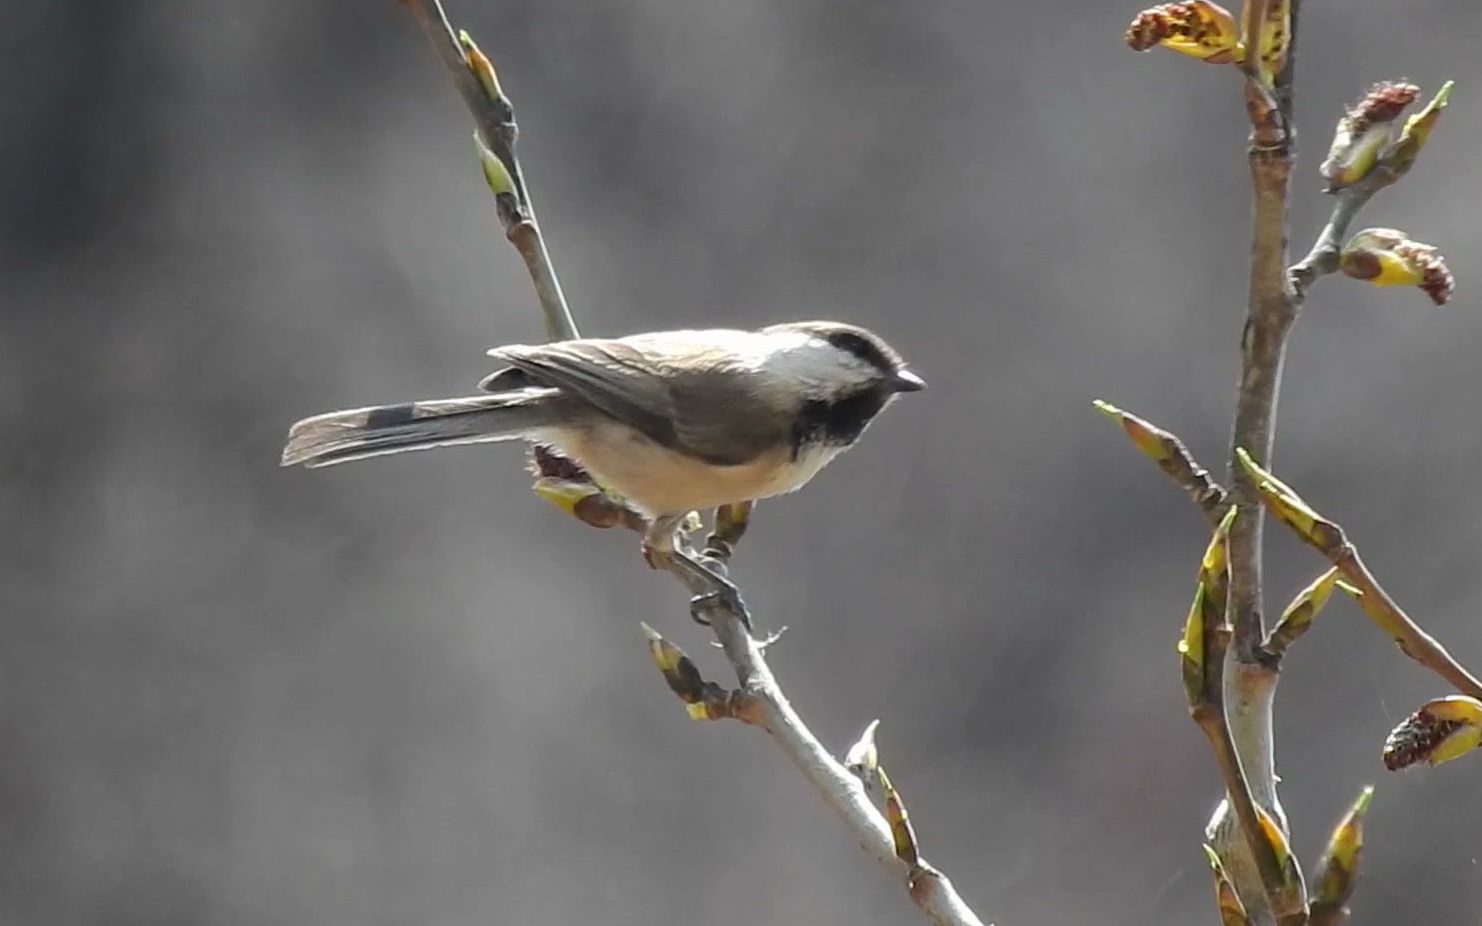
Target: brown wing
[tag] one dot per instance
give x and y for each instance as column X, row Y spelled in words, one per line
column 686, row 390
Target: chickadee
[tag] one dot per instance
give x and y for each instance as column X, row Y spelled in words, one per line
column 673, row 421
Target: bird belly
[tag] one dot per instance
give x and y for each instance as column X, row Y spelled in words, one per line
column 664, row 481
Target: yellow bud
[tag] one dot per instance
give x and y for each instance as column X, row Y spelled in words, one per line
column 1389, row 257
column 496, row 175
column 1199, row 28
column 1338, row 869
column 1232, row 910
column 1305, row 606
column 1275, row 836
column 1150, row 440
column 1417, row 131
column 1441, row 730
column 481, row 66
column 1271, row 45
column 1363, row 132
column 1289, row 506
column 1191, row 649
column 903, row 834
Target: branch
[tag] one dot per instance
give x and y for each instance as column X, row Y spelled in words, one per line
column 1203, row 651
column 1363, row 160
column 1322, row 260
column 760, row 700
column 1174, row 459
column 494, row 116
column 1330, row 540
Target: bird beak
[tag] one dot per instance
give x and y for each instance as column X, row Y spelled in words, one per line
column 906, row 381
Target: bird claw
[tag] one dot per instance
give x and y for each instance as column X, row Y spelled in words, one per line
column 721, row 596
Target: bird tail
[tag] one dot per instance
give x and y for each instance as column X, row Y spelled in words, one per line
column 339, row 437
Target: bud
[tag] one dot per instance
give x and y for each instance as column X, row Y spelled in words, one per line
column 496, row 175
column 703, row 700
column 1152, row 441
column 1299, row 614
column 863, row 757
column 1199, row 29
column 1292, row 886
column 1440, row 731
column 1402, row 154
column 1191, row 650
column 1289, row 507
column 1202, row 675
column 902, row 833
column 1337, row 871
column 1363, row 131
column 1388, row 257
column 1232, row 911
column 482, row 67
column 1275, row 36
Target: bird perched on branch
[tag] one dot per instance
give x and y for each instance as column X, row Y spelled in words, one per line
column 673, row 421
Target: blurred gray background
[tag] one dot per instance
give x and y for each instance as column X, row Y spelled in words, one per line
column 409, row 692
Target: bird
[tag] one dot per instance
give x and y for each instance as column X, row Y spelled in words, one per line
column 672, row 421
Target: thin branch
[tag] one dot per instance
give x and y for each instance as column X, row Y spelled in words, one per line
column 760, row 700
column 1323, row 258
column 1270, row 313
column 930, row 889
column 1328, row 538
column 1203, row 649
column 494, row 116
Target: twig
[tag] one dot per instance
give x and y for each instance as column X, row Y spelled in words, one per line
column 1251, row 686
column 1204, row 648
column 494, row 116
column 1323, row 258
column 1328, row 538
column 930, row 889
column 760, row 700
column 1173, row 458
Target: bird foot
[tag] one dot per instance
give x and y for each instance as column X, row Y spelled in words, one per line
column 723, row 595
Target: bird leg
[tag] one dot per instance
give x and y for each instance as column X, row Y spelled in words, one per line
column 659, row 548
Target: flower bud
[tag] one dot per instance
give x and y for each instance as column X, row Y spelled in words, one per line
column 1388, row 257
column 1363, row 132
column 1402, row 154
column 1232, row 910
column 1199, row 29
column 1440, row 731
column 1337, row 871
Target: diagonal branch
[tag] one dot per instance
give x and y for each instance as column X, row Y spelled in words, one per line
column 494, row 115
column 1174, row 459
column 1322, row 260
column 760, row 700
column 768, row 707
column 1329, row 539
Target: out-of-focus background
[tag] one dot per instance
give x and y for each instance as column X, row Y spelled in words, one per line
column 406, row 691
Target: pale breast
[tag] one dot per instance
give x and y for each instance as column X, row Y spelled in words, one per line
column 663, row 481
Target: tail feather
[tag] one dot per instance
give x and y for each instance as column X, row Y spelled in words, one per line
column 358, row 433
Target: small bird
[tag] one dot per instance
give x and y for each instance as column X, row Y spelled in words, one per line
column 673, row 421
